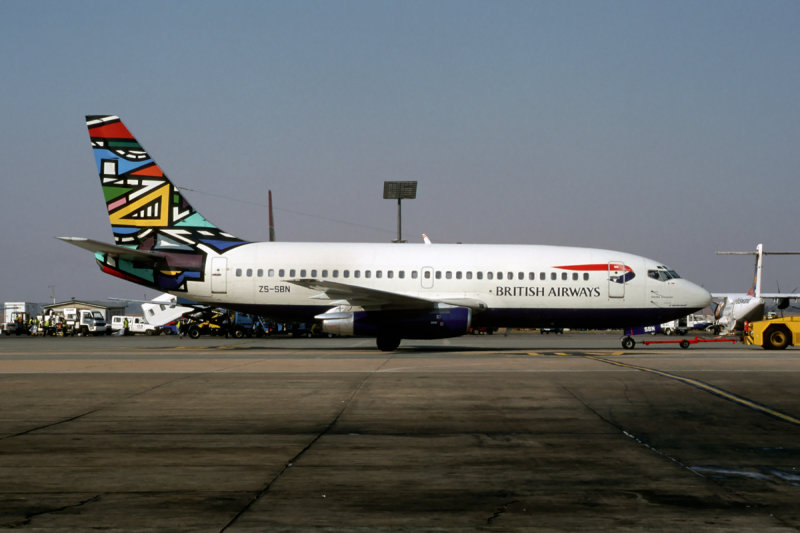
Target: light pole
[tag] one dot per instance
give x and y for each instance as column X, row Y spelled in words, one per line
column 399, row 190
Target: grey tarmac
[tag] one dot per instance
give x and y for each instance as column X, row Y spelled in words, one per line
column 479, row 433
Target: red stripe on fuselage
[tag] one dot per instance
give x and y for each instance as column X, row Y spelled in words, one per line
column 601, row 267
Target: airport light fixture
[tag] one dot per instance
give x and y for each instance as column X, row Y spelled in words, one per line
column 399, row 190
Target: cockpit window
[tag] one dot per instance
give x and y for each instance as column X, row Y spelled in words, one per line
column 662, row 274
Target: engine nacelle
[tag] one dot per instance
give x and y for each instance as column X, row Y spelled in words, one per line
column 443, row 322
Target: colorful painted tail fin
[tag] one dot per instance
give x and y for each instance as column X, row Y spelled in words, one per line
column 161, row 241
column 145, row 209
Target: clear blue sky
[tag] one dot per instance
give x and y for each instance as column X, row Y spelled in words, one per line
column 666, row 129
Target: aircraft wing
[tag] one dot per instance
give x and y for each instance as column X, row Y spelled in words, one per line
column 780, row 295
column 345, row 294
column 122, row 252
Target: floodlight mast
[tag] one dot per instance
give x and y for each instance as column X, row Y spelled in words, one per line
column 399, row 190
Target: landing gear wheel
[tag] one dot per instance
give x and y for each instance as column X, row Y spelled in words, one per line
column 388, row 343
column 628, row 343
column 684, row 344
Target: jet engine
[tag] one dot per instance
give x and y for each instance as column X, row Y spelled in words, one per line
column 439, row 323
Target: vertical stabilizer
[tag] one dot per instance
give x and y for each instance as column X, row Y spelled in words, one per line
column 148, row 213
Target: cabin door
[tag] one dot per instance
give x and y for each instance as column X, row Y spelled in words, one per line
column 616, row 280
column 219, row 275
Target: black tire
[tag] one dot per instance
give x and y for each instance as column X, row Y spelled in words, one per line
column 684, row 344
column 239, row 332
column 194, row 332
column 628, row 343
column 387, row 343
column 776, row 338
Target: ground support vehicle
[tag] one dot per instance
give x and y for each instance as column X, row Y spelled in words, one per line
column 775, row 334
column 215, row 324
column 628, row 342
column 18, row 324
column 685, row 343
column 136, row 324
column 17, row 316
column 85, row 322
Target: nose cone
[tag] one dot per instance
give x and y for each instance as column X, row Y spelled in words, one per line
column 695, row 296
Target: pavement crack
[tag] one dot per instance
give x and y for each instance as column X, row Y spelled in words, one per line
column 266, row 488
column 638, row 440
column 502, row 509
column 92, row 411
column 30, row 516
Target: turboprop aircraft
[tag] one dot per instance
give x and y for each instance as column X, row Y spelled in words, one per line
column 732, row 310
column 389, row 291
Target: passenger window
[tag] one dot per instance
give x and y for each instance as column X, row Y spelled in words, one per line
column 271, row 272
column 356, row 273
column 489, row 275
column 378, row 274
column 238, row 272
column 574, row 276
column 291, row 272
column 335, row 273
column 586, row 276
column 531, row 276
column 390, row 274
column 448, row 275
column 479, row 274
column 553, row 276
column 427, row 274
column 438, row 274
column 542, row 276
column 521, row 276
column 249, row 272
column 314, row 273
column 324, row 273
column 281, row 272
column 260, row 273
column 346, row 273
column 564, row 276
column 303, row 273
column 499, row 275
column 367, row 273
column 401, row 274
column 469, row 275
column 458, row 274
column 510, row 276
column 414, row 274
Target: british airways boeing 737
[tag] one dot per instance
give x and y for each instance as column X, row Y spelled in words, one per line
column 388, row 291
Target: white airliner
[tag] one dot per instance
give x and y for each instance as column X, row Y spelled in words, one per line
column 388, row 291
column 734, row 309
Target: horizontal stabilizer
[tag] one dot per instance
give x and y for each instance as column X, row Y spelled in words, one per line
column 122, row 252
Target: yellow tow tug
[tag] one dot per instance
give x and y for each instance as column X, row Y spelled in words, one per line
column 774, row 334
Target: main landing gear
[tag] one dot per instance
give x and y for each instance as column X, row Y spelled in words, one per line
column 388, row 343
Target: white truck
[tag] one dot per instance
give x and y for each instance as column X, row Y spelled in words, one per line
column 85, row 321
column 136, row 324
